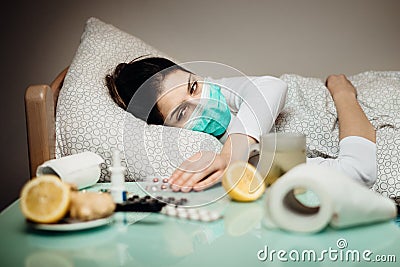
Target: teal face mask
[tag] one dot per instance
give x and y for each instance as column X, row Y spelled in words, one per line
column 212, row 114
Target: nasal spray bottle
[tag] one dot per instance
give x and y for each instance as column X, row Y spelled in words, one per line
column 118, row 191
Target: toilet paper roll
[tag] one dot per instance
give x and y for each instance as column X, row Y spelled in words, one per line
column 82, row 169
column 343, row 202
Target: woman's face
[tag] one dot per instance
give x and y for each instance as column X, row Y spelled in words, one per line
column 181, row 94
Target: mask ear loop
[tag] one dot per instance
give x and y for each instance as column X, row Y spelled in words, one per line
column 196, row 115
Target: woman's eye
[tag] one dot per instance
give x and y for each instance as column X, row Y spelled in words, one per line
column 181, row 113
column 193, row 88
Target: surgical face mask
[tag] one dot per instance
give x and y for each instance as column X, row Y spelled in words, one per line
column 212, row 114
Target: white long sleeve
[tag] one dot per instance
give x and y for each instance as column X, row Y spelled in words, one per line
column 357, row 159
column 254, row 101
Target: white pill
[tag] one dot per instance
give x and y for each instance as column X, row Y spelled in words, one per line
column 183, row 215
column 154, row 188
column 214, row 215
column 168, row 207
column 194, row 216
column 205, row 218
column 203, row 211
column 192, row 211
column 172, row 213
column 163, row 210
column 181, row 210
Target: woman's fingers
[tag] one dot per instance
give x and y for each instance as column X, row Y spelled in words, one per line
column 191, row 180
column 210, row 181
column 178, row 184
column 194, row 179
column 196, row 169
column 188, row 179
column 175, row 175
column 187, row 165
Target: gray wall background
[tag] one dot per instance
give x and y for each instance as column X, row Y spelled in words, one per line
column 307, row 37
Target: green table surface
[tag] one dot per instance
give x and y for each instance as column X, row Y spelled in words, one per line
column 157, row 240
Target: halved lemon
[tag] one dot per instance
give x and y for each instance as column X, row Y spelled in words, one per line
column 243, row 182
column 45, row 199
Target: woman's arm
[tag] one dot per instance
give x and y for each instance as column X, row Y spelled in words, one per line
column 357, row 155
column 256, row 103
column 352, row 119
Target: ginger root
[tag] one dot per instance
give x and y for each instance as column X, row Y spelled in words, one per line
column 87, row 206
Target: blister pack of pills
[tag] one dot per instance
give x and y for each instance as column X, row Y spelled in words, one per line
column 140, row 204
column 157, row 185
column 194, row 214
column 148, row 203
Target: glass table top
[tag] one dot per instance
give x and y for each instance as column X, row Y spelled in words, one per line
column 238, row 239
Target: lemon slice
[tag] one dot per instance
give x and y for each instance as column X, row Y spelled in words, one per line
column 45, row 199
column 243, row 182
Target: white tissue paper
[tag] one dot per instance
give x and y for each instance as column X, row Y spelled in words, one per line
column 343, row 202
column 82, row 169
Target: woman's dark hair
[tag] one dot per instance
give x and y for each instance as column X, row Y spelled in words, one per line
column 146, row 73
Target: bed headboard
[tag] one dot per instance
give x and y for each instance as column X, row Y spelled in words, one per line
column 40, row 108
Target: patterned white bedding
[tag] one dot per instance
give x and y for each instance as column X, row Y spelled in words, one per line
column 310, row 109
column 88, row 120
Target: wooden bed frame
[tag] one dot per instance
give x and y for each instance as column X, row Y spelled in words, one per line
column 40, row 111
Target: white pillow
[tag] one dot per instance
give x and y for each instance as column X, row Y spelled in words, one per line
column 87, row 119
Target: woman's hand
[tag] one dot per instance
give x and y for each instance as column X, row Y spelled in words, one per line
column 339, row 84
column 206, row 168
column 200, row 171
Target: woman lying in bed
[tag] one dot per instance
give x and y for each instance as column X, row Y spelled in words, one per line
column 235, row 110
